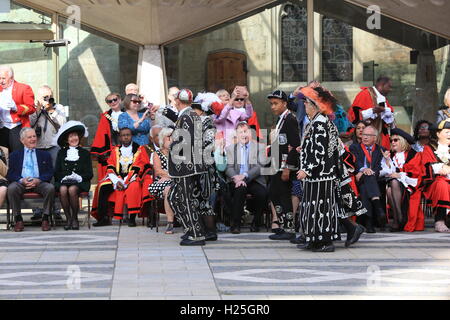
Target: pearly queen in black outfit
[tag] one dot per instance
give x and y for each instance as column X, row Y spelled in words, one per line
column 319, row 161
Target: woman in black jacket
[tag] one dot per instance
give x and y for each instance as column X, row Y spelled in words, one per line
column 73, row 170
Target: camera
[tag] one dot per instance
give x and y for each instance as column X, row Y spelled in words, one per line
column 50, row 100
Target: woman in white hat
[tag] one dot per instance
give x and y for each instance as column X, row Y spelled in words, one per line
column 73, row 170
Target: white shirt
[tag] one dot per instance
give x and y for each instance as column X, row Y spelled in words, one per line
column 126, row 158
column 397, row 162
column 6, row 105
column 387, row 116
column 443, row 153
column 115, row 123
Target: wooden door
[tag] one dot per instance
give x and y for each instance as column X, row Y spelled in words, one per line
column 226, row 70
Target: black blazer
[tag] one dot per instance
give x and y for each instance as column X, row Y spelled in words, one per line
column 377, row 156
column 289, row 135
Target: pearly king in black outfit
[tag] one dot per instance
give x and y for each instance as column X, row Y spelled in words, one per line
column 319, row 159
column 186, row 167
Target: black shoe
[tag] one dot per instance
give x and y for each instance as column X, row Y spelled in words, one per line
column 381, row 218
column 282, row 236
column 305, row 246
column 211, row 236
column 392, row 229
column 37, row 216
column 356, row 235
column 75, row 224
column 187, row 242
column 370, row 229
column 324, row 248
column 102, row 222
column 277, row 230
column 184, row 236
column 299, row 240
column 235, row 230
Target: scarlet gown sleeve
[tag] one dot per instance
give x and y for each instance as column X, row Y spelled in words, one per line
column 102, row 140
column 363, row 101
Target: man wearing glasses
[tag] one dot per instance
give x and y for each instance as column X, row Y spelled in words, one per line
column 107, row 135
column 368, row 166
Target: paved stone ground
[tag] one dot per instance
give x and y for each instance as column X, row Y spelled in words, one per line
column 118, row 262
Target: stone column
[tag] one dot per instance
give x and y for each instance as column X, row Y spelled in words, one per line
column 151, row 75
column 426, row 100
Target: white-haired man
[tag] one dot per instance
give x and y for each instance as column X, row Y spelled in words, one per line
column 16, row 105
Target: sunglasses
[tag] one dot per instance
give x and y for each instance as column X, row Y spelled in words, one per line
column 394, row 140
column 112, row 100
column 136, row 101
column 239, row 99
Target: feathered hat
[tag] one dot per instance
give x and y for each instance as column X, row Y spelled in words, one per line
column 209, row 102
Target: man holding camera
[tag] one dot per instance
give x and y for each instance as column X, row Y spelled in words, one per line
column 371, row 105
column 16, row 105
column 47, row 120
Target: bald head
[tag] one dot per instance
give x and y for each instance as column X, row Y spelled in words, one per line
column 6, row 76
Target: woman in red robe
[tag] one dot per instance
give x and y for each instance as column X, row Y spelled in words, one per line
column 402, row 169
column 436, row 160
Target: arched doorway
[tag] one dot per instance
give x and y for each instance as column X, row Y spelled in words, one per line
column 226, row 69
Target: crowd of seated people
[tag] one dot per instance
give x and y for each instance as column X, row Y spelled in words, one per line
column 391, row 172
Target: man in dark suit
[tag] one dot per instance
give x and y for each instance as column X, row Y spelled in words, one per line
column 244, row 160
column 285, row 139
column 368, row 166
column 30, row 170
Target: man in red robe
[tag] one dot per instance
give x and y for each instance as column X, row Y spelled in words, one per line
column 107, row 135
column 372, row 105
column 122, row 183
column 16, row 105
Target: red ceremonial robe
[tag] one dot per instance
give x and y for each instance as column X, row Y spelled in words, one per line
column 103, row 143
column 367, row 99
column 132, row 196
column 414, row 169
column 436, row 187
column 23, row 96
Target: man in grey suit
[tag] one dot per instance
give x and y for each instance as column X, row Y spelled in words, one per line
column 244, row 162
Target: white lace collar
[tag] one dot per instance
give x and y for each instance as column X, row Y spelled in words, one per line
column 72, row 154
column 443, row 153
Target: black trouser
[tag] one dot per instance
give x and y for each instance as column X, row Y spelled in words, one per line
column 185, row 205
column 280, row 194
column 369, row 189
column 10, row 138
column 103, row 195
column 259, row 193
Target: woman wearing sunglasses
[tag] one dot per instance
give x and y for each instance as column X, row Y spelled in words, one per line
column 107, row 135
column 401, row 167
column 137, row 121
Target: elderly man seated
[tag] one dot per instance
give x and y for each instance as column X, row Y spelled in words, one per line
column 123, row 179
column 244, row 160
column 30, row 170
column 368, row 166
